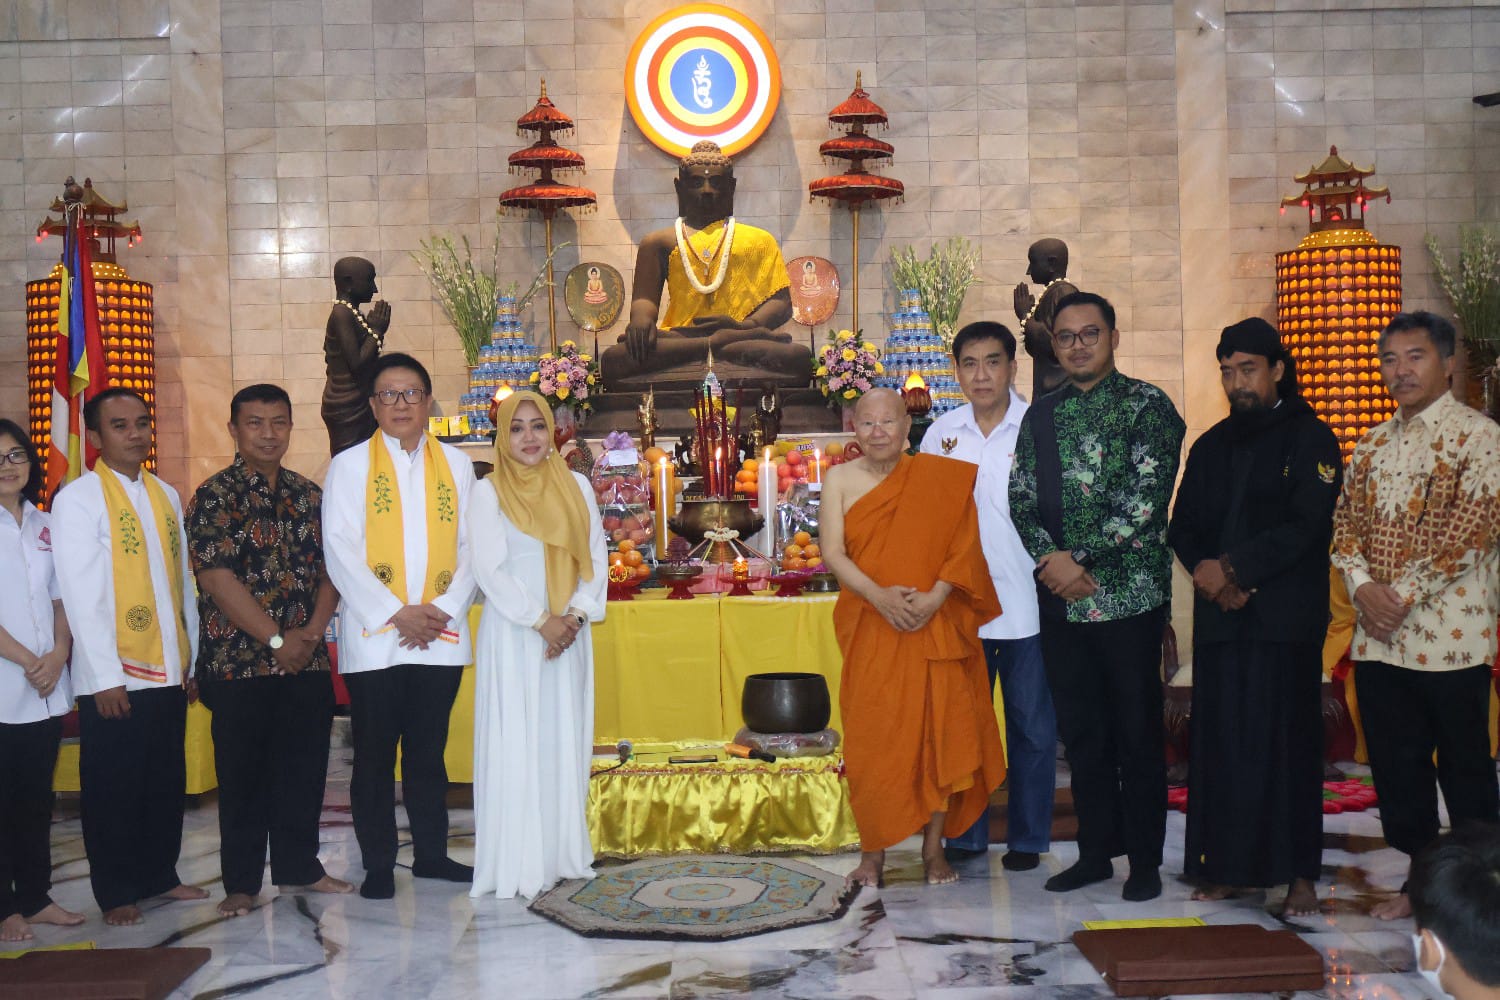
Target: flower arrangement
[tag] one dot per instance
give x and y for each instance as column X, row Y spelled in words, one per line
column 847, row 367
column 1474, row 290
column 941, row 280
column 567, row 378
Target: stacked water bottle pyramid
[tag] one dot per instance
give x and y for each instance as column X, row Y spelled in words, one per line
column 508, row 359
column 914, row 348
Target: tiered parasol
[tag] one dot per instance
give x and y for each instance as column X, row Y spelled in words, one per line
column 856, row 185
column 545, row 194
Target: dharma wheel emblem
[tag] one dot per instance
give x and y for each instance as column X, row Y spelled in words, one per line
column 138, row 618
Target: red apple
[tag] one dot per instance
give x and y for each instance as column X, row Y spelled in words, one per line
column 611, row 523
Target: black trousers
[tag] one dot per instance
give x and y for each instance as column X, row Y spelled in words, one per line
column 271, row 754
column 28, row 755
column 133, row 775
column 408, row 704
column 1106, row 688
column 1408, row 716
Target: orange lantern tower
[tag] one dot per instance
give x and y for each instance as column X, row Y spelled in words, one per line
column 125, row 311
column 856, row 185
column 1334, row 294
column 545, row 194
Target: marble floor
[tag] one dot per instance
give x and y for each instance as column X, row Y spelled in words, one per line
column 992, row 935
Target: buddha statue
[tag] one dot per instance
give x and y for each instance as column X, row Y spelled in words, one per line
column 1047, row 266
column 727, row 291
column 351, row 343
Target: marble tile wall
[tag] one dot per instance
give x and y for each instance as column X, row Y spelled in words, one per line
column 260, row 140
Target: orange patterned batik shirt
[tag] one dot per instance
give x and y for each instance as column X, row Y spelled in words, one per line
column 1420, row 511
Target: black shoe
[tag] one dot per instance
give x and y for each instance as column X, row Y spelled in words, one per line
column 379, row 885
column 1022, row 861
column 951, row 853
column 443, row 868
column 1086, row 872
column 1144, row 883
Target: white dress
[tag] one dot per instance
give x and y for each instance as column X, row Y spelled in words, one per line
column 533, row 717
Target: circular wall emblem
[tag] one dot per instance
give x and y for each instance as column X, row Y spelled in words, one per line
column 138, row 618
column 702, row 71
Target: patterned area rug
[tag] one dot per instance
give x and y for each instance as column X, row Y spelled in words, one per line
column 697, row 898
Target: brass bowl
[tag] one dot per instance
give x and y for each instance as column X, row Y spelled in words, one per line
column 698, row 514
column 668, row 572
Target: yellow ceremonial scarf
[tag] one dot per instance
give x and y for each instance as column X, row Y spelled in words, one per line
column 137, row 627
column 755, row 272
column 385, row 535
column 543, row 501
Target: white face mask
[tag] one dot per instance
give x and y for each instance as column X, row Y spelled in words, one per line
column 1433, row 976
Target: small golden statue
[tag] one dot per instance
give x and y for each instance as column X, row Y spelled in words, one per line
column 645, row 418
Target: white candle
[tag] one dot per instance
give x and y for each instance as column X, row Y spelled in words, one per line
column 663, row 507
column 817, row 466
column 766, row 499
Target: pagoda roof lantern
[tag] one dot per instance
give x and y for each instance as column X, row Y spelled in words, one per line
column 1335, row 194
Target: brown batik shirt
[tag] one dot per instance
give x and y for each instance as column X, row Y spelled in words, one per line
column 1420, row 512
column 271, row 539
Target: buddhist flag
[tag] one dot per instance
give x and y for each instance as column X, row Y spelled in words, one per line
column 80, row 373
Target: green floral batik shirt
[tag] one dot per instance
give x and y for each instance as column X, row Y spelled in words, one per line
column 1103, row 492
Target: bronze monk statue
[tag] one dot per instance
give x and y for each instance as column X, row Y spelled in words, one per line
column 1049, row 268
column 351, row 343
column 727, row 289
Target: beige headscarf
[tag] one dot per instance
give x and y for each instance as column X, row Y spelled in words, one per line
column 544, row 502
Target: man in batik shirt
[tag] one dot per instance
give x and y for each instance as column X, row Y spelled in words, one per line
column 1089, row 493
column 1414, row 536
column 264, row 598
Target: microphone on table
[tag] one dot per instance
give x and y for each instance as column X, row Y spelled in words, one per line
column 625, row 749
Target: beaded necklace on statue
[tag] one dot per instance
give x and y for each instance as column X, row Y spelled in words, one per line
column 723, row 248
column 379, row 338
column 1038, row 301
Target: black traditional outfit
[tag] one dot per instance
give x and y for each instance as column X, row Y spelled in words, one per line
column 1258, row 494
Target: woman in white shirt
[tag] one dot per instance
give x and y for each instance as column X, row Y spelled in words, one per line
column 538, row 551
column 34, row 693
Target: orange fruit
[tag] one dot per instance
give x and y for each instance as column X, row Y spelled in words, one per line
column 634, row 558
column 797, row 564
column 793, row 551
column 814, row 563
column 626, row 545
column 811, row 551
column 744, row 476
column 642, row 572
column 617, row 558
column 802, row 538
column 653, row 455
column 750, row 465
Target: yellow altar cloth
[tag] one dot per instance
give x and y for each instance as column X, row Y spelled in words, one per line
column 198, row 748
column 653, row 807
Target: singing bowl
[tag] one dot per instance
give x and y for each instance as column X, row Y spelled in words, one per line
column 786, row 703
column 697, row 515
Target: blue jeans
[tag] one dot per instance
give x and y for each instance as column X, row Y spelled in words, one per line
column 1030, row 745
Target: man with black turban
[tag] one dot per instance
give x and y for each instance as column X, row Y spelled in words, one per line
column 1252, row 524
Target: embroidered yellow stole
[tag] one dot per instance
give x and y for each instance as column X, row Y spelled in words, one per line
column 137, row 618
column 385, row 536
column 755, row 272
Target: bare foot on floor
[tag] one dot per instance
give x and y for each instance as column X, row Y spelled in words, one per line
column 237, row 904
column 938, row 871
column 330, row 884
column 56, row 915
column 1214, row 893
column 124, row 916
column 1301, row 899
column 183, row 891
column 1396, row 908
column 15, row 928
column 870, row 871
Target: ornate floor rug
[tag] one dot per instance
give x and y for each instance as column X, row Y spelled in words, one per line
column 696, row 898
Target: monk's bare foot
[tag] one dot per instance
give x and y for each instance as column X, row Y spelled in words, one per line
column 1397, row 907
column 1301, row 899
column 124, row 916
column 56, row 915
column 1214, row 893
column 327, row 883
column 183, row 891
column 870, row 871
column 237, row 904
column 15, row 928
column 938, row 871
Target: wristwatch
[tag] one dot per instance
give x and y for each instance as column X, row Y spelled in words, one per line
column 580, row 619
column 276, row 642
column 1083, row 557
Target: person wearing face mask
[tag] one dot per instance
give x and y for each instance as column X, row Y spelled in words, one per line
column 1455, row 896
column 538, row 541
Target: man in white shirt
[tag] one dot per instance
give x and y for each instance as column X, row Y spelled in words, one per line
column 983, row 432
column 392, row 514
column 116, row 540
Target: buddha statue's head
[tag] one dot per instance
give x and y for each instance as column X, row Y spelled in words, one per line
column 1048, row 259
column 354, row 280
column 705, row 185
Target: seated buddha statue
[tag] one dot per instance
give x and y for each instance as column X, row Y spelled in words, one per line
column 727, row 294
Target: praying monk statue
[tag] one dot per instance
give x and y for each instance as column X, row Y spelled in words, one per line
column 1048, row 261
column 727, row 292
column 351, row 344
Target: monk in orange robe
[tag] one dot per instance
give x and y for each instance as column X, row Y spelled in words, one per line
column 921, row 745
